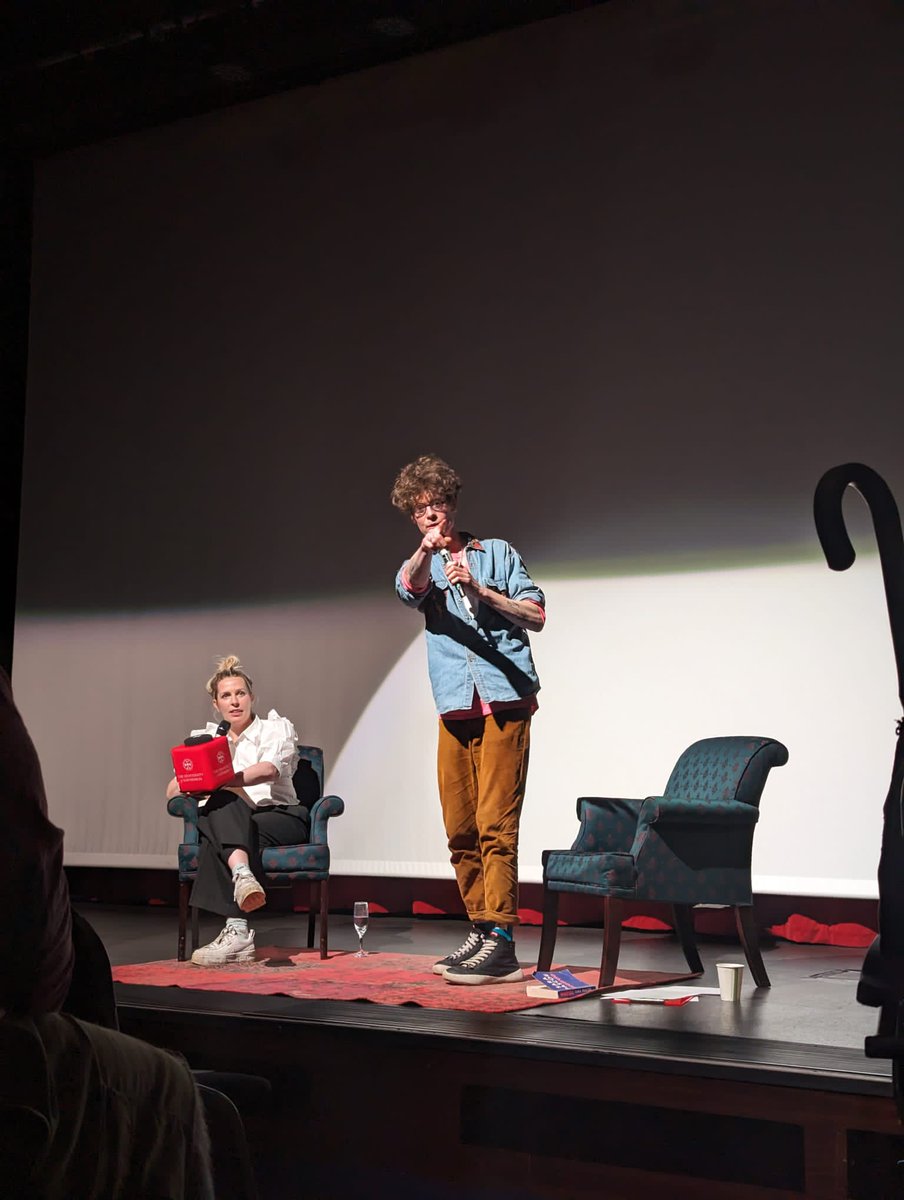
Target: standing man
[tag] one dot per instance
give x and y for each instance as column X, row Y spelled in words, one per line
column 478, row 603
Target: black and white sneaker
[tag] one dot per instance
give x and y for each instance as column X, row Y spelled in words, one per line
column 494, row 962
column 469, row 947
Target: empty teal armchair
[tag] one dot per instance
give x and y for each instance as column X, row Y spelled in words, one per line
column 691, row 845
column 282, row 865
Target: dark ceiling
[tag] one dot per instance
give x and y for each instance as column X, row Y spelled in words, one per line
column 74, row 72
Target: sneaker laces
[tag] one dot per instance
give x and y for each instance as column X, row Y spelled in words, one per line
column 489, row 947
column 229, row 931
column 471, row 942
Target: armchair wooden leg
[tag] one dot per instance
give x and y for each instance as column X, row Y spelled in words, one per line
column 750, row 941
column 684, row 927
column 313, row 892
column 612, row 916
column 550, row 928
column 324, row 915
column 184, row 890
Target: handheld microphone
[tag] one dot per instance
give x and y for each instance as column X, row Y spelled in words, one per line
column 200, row 738
column 460, row 591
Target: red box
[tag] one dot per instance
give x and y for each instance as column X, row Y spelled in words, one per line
column 203, row 768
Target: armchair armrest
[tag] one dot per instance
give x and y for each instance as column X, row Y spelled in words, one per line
column 186, row 807
column 326, row 807
column 607, row 823
column 658, row 810
column 182, row 805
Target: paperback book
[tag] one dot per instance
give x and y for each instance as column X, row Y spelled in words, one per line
column 560, row 984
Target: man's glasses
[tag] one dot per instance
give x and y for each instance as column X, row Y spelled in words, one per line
column 440, row 506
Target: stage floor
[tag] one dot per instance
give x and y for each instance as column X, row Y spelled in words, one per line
column 807, row 1030
column 768, row 1099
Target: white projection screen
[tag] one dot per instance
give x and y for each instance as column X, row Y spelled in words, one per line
column 635, row 272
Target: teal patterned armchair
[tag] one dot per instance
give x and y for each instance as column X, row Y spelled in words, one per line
column 691, row 845
column 283, row 866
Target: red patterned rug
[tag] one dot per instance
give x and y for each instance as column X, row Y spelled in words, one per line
column 379, row 978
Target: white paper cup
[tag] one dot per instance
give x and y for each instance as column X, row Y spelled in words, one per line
column 730, row 976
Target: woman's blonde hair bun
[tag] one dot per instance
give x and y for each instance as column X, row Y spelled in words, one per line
column 227, row 667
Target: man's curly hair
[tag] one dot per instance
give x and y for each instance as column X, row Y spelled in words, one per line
column 427, row 476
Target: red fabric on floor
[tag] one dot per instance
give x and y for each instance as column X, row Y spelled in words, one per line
column 647, row 924
column 379, row 978
column 802, row 929
column 530, row 916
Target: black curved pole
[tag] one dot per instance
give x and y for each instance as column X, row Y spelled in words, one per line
column 882, row 976
column 836, row 545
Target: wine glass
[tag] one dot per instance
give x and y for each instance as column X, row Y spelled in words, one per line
column 360, row 916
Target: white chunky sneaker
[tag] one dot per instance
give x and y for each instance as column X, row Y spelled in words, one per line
column 248, row 893
column 229, row 946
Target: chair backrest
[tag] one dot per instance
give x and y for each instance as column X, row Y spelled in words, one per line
column 308, row 777
column 28, row 1107
column 725, row 768
column 25, row 1137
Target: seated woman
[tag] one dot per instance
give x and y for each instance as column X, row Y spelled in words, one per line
column 257, row 807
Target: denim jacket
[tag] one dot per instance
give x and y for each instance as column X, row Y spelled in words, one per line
column 486, row 651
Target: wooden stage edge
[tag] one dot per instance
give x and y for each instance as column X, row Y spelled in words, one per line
column 464, row 1104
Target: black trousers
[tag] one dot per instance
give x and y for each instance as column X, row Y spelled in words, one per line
column 226, row 823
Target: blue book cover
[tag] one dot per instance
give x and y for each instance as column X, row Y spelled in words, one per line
column 563, row 982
